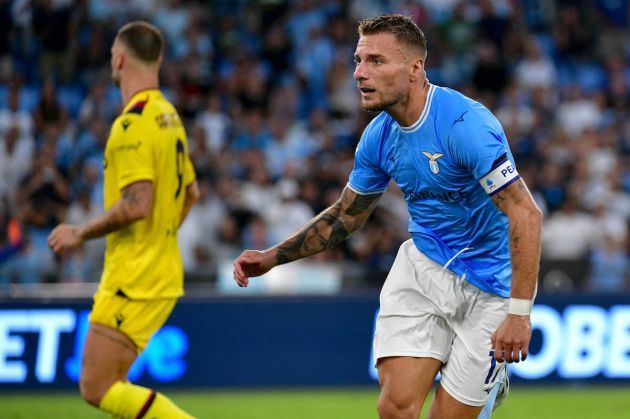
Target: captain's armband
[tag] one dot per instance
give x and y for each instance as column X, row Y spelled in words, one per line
column 502, row 175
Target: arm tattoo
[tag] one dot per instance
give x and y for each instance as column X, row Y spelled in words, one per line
column 515, row 249
column 362, row 203
column 124, row 212
column 322, row 233
column 131, row 195
column 329, row 228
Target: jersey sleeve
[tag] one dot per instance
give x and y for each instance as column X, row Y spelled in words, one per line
column 367, row 176
column 133, row 152
column 478, row 142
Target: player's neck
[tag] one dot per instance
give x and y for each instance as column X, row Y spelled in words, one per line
column 406, row 113
column 133, row 84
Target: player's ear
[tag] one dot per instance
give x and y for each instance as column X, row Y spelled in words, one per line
column 416, row 69
column 121, row 60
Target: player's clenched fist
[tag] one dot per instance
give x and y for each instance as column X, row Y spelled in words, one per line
column 64, row 237
column 252, row 263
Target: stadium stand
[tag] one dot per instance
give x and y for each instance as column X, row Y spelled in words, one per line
column 267, row 95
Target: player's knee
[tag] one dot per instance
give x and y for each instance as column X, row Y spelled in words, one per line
column 92, row 391
column 397, row 407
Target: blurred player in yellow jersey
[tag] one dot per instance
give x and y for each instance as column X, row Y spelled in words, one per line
column 149, row 189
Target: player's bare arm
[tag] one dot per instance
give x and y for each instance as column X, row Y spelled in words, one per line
column 135, row 204
column 192, row 195
column 525, row 218
column 329, row 228
column 326, row 230
column 525, row 223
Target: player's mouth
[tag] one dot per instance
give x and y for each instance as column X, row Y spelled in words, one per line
column 366, row 91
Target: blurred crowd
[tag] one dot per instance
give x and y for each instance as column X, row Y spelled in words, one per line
column 266, row 91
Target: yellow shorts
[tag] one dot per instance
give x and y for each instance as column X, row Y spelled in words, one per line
column 138, row 319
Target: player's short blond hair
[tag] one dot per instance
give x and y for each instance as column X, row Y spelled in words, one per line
column 405, row 30
column 144, row 40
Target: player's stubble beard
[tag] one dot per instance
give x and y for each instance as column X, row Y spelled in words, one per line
column 379, row 106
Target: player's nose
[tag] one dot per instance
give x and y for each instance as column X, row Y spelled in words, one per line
column 359, row 72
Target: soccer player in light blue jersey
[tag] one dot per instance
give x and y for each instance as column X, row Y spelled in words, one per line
column 458, row 297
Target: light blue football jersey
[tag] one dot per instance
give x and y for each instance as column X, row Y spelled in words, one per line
column 437, row 163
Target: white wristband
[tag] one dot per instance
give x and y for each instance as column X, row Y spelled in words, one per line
column 520, row 307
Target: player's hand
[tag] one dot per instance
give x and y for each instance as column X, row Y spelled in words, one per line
column 64, row 237
column 252, row 263
column 511, row 339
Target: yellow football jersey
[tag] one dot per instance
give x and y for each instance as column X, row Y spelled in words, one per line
column 147, row 142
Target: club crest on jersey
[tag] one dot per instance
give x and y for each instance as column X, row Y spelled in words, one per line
column 433, row 164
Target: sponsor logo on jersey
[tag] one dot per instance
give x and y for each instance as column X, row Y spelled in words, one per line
column 129, row 147
column 446, row 196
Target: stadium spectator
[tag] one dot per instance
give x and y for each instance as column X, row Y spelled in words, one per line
column 253, row 135
column 568, row 233
column 199, row 234
column 287, row 213
column 11, row 242
column 535, row 69
column 55, row 29
column 93, row 51
column 43, row 193
column 96, row 105
column 572, row 32
column 86, row 262
column 215, row 123
column 49, row 112
column 6, row 32
column 578, row 112
column 490, row 74
column 609, row 266
column 16, row 153
column 13, row 114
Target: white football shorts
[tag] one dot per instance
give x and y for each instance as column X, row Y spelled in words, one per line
column 429, row 311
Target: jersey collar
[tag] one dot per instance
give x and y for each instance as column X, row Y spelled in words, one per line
column 134, row 98
column 425, row 112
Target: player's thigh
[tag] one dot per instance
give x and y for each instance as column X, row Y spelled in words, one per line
column 406, row 380
column 445, row 406
column 107, row 355
column 471, row 370
column 410, row 322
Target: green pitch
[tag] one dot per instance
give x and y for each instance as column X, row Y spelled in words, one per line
column 539, row 403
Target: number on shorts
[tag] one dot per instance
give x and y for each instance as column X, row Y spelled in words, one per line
column 493, row 365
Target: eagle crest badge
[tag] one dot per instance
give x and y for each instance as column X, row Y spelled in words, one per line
column 433, row 164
